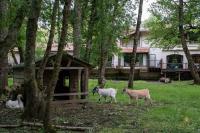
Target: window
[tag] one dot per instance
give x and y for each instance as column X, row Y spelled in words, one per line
column 127, row 59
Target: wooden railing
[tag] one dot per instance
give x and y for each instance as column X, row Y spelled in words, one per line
column 64, row 101
column 72, row 94
column 161, row 65
column 177, row 66
column 174, row 66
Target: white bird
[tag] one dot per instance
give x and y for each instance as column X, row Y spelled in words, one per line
column 16, row 104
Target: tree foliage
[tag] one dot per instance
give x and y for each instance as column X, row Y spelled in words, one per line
column 112, row 19
column 163, row 24
column 174, row 23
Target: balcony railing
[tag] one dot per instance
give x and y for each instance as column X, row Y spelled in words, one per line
column 158, row 64
column 137, row 64
column 172, row 66
column 178, row 66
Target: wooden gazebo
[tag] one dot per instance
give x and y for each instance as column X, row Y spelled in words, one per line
column 72, row 84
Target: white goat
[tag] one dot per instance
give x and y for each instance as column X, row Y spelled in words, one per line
column 15, row 104
column 165, row 80
column 108, row 92
column 138, row 94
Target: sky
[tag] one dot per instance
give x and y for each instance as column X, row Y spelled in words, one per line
column 146, row 5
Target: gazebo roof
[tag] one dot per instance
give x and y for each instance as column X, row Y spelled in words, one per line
column 65, row 58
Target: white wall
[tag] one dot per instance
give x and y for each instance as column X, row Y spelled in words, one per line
column 160, row 54
column 157, row 52
column 144, row 42
column 115, row 60
column 10, row 59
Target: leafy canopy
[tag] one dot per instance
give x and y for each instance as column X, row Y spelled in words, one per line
column 163, row 24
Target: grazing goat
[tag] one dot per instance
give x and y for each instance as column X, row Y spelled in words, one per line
column 109, row 92
column 16, row 103
column 138, row 94
column 165, row 80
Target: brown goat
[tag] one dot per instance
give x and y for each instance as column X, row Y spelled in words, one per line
column 138, row 94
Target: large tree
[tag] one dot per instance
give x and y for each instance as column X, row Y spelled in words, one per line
column 135, row 44
column 166, row 30
column 49, row 45
column 112, row 21
column 3, row 34
column 90, row 30
column 9, row 32
column 183, row 36
column 53, row 80
column 34, row 100
column 77, row 28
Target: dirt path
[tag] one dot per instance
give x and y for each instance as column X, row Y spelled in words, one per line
column 104, row 117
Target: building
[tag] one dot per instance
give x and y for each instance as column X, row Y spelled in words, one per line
column 152, row 57
column 143, row 52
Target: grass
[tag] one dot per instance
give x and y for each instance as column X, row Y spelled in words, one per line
column 10, row 81
column 175, row 109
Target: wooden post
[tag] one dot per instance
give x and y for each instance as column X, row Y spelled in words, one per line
column 3, row 74
column 179, row 76
column 84, row 82
column 73, row 83
column 161, row 64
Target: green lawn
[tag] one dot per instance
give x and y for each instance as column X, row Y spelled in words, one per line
column 10, row 81
column 176, row 109
column 176, row 106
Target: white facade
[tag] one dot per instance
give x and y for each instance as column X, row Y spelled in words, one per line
column 154, row 57
column 11, row 60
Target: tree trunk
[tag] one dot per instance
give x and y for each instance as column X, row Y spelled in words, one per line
column 59, row 13
column 102, row 67
column 3, row 19
column 52, row 84
column 8, row 37
column 192, row 67
column 135, row 44
column 103, row 59
column 21, row 53
column 3, row 73
column 77, row 28
column 10, row 40
column 90, row 31
column 107, row 41
column 49, row 45
column 34, row 99
column 3, row 54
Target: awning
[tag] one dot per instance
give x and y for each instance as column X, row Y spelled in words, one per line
column 139, row 50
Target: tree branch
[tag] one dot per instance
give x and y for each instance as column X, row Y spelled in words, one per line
column 14, row 28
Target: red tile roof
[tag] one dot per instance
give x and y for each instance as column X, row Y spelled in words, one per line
column 139, row 50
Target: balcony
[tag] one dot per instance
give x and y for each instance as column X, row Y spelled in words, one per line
column 178, row 66
column 170, row 66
